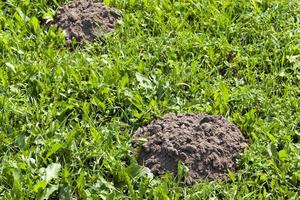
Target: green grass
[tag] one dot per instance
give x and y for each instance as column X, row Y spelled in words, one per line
column 66, row 117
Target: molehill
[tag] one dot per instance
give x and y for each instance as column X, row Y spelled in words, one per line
column 86, row 20
column 208, row 145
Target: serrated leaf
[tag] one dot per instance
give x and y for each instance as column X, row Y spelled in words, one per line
column 143, row 81
column 52, row 171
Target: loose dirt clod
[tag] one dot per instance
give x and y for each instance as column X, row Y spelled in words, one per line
column 208, row 145
column 86, row 19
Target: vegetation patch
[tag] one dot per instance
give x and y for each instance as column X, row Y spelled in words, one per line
column 67, row 117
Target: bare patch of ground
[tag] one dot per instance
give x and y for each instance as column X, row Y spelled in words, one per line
column 86, row 19
column 208, row 145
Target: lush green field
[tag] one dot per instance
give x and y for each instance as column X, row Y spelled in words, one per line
column 66, row 117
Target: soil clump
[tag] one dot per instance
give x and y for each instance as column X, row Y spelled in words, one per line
column 208, row 145
column 86, row 19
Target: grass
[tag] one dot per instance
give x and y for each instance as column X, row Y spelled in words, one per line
column 67, row 117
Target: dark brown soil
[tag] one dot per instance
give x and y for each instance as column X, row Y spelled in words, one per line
column 86, row 19
column 208, row 145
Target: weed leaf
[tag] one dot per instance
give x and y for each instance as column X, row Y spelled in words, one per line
column 52, row 171
column 11, row 67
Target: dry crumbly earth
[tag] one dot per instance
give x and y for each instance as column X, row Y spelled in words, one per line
column 86, row 20
column 208, row 145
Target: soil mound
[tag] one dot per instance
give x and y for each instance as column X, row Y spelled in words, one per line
column 208, row 145
column 86, row 19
